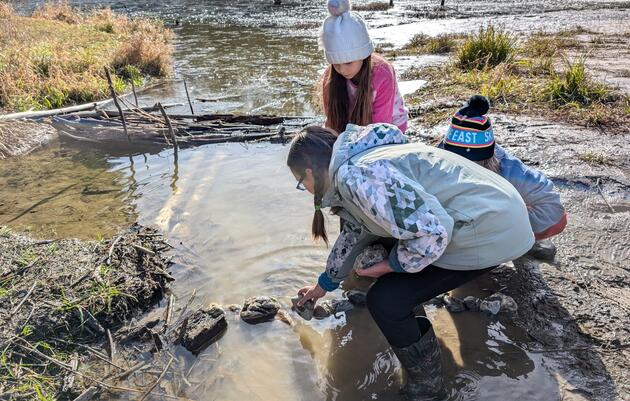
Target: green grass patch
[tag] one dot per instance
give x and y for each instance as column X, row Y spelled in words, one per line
column 572, row 86
column 489, row 47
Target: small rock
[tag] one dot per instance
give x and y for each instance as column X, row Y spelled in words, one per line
column 306, row 310
column 490, row 307
column 508, row 304
column 472, row 303
column 543, row 250
column 203, row 327
column 259, row 309
column 453, row 304
column 331, row 307
column 284, row 317
column 234, row 308
column 370, row 256
column 357, row 298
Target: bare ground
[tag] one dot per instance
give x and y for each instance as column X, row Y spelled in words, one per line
column 576, row 309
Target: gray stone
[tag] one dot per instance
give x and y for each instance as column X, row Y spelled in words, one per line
column 331, row 307
column 472, row 303
column 490, row 307
column 508, row 304
column 453, row 304
column 259, row 309
column 543, row 250
column 357, row 297
column 202, row 328
column 370, row 256
column 305, row 311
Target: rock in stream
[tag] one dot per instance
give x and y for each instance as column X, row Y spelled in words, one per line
column 259, row 309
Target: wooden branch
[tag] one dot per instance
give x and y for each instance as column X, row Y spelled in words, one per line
column 47, row 113
column 170, row 129
column 115, row 98
column 146, row 393
column 188, row 96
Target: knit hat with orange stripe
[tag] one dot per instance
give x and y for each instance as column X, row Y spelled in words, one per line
column 470, row 133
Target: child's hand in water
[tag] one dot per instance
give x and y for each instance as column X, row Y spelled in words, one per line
column 309, row 292
column 375, row 271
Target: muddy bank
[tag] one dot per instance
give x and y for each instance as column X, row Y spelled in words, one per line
column 62, row 303
column 576, row 309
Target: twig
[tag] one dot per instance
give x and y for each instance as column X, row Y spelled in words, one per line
column 133, row 89
column 604, row 197
column 143, row 249
column 115, row 98
column 188, row 96
column 146, row 393
column 94, row 352
column 130, row 371
column 169, row 312
column 28, row 294
column 111, row 249
column 170, row 129
column 112, row 346
column 88, row 394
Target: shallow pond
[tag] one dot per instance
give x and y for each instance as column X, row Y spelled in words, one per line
column 241, row 229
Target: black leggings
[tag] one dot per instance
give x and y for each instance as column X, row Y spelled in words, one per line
column 394, row 296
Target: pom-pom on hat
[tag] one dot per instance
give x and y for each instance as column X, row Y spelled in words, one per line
column 470, row 133
column 344, row 35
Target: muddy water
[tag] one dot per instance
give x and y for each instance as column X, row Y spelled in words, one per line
column 241, row 229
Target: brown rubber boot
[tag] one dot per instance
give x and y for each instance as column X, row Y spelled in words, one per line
column 423, row 365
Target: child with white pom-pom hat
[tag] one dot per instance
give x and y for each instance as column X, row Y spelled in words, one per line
column 359, row 87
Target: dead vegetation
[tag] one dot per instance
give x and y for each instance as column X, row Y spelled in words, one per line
column 57, row 56
column 60, row 302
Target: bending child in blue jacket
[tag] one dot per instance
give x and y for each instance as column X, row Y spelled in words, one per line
column 470, row 135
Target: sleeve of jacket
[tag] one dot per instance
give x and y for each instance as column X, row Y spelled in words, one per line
column 349, row 244
column 403, row 209
column 546, row 213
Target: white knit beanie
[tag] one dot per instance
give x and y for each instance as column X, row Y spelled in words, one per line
column 344, row 36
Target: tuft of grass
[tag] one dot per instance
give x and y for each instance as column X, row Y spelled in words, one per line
column 57, row 56
column 573, row 86
column 440, row 44
column 489, row 47
column 595, row 158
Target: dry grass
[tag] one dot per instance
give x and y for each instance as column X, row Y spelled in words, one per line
column 537, row 78
column 57, row 56
column 6, row 10
column 372, row 6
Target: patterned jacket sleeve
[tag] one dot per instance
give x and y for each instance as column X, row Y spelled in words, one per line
column 349, row 244
column 400, row 206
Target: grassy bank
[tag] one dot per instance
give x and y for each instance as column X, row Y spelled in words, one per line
column 542, row 74
column 57, row 56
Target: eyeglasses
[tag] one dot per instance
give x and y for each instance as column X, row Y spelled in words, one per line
column 299, row 185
